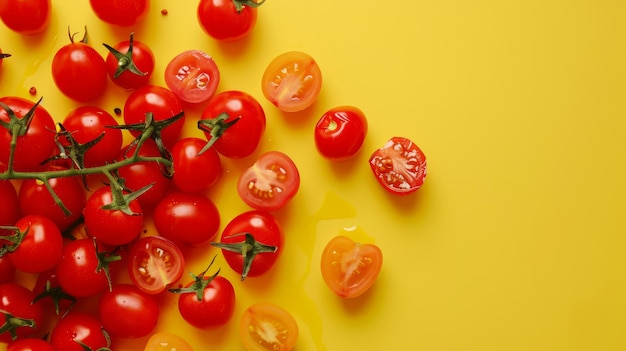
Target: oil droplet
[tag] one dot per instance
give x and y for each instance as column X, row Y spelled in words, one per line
column 334, row 207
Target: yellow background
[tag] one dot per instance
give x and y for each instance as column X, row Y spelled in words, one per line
column 516, row 240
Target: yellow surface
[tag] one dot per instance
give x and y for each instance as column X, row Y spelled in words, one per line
column 515, row 242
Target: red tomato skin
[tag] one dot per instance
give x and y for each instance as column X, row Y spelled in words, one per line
column 111, row 227
column 124, row 13
column 127, row 312
column 7, row 271
column 79, row 72
column 340, row 132
column 86, row 123
column 243, row 138
column 35, row 199
column 29, row 344
column 265, row 229
column 18, row 301
column 77, row 272
column 37, row 144
column 193, row 76
column 28, row 17
column 142, row 56
column 220, row 20
column 215, row 309
column 9, row 208
column 78, row 326
column 193, row 173
column 148, row 252
column 399, row 166
column 190, row 219
column 41, row 248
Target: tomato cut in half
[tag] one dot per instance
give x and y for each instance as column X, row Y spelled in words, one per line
column 270, row 183
column 292, row 81
column 193, row 76
column 265, row 326
column 164, row 341
column 350, row 268
column 155, row 263
column 399, row 166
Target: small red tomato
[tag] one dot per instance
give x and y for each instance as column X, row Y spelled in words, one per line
column 130, row 63
column 155, row 263
column 26, row 16
column 127, row 312
column 41, row 246
column 195, row 172
column 227, row 20
column 26, row 317
column 9, row 204
column 350, row 268
column 123, row 13
column 193, row 76
column 270, row 183
column 78, row 328
column 399, row 166
column 29, row 344
column 340, row 132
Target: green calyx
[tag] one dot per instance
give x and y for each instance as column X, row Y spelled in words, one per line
column 14, row 240
column 216, row 127
column 121, row 199
column 56, row 294
column 11, row 323
column 125, row 60
column 240, row 4
column 199, row 284
column 248, row 248
column 15, row 125
column 4, row 55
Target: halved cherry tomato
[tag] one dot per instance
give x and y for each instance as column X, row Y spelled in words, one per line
column 350, row 268
column 26, row 16
column 270, row 183
column 163, row 341
column 399, row 166
column 340, row 132
column 155, row 263
column 268, row 327
column 292, row 81
column 193, row 76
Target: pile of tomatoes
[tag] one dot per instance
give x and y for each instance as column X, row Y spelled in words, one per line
column 73, row 196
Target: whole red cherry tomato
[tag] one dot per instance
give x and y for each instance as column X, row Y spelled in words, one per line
column 399, row 166
column 88, row 123
column 266, row 326
column 29, row 344
column 76, row 328
column 194, row 172
column 228, row 20
column 233, row 122
column 130, row 63
column 292, row 81
column 79, row 71
column 193, row 76
column 123, row 13
column 17, row 301
column 251, row 243
column 41, row 246
column 26, row 16
column 270, row 183
column 37, row 144
column 9, row 205
column 112, row 226
column 48, row 291
column 127, row 312
column 340, row 132
column 154, row 263
column 162, row 103
column 7, row 271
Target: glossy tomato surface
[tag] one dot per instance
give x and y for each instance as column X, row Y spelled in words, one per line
column 120, row 12
column 350, row 268
column 30, row 344
column 268, row 327
column 227, row 20
column 9, row 208
column 193, row 76
column 80, row 272
column 17, row 301
column 127, row 312
column 78, row 327
column 28, row 17
column 130, row 63
column 399, row 166
column 292, row 81
column 340, row 132
column 214, row 306
column 195, row 172
column 270, row 183
column 154, row 263
column 164, row 341
column 41, row 247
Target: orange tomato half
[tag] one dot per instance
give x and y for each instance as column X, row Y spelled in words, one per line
column 164, row 341
column 350, row 268
column 268, row 327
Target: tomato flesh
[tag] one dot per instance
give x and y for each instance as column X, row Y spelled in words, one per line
column 155, row 263
column 163, row 341
column 265, row 326
column 193, row 76
column 399, row 166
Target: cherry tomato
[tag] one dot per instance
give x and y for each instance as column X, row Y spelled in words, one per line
column 127, row 312
column 17, row 301
column 35, row 199
column 79, row 71
column 350, row 268
column 228, row 20
column 292, row 81
column 162, row 103
column 34, row 147
column 187, row 218
column 123, row 13
column 7, row 271
column 49, row 293
column 193, row 172
column 193, row 76
column 251, row 243
column 140, row 174
column 88, row 123
column 155, row 263
column 82, row 270
column 399, row 166
column 130, row 63
column 9, row 208
column 268, row 327
column 29, row 344
column 26, row 16
column 164, row 341
column 236, row 120
column 112, row 226
column 78, row 327
column 270, row 183
column 340, row 132
column 40, row 249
